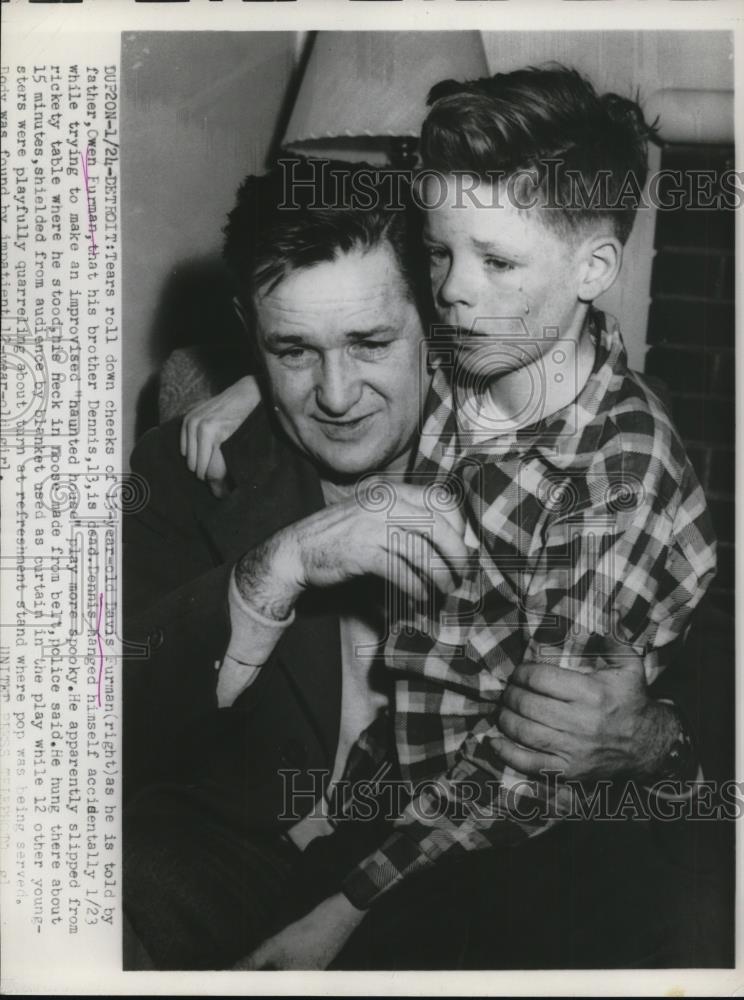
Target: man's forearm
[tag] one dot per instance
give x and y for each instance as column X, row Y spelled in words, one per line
column 254, row 623
column 265, row 580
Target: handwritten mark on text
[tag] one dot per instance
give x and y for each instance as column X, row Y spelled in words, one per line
column 99, row 640
column 91, row 225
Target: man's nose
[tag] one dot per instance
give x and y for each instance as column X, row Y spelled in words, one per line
column 457, row 287
column 339, row 386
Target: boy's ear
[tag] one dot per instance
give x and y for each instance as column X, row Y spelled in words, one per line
column 601, row 259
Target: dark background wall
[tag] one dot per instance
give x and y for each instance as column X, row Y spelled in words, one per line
column 691, row 338
column 199, row 112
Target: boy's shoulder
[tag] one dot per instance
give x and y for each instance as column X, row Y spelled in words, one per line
column 634, row 435
column 636, row 416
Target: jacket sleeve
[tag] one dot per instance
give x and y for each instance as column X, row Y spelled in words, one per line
column 175, row 616
column 701, row 686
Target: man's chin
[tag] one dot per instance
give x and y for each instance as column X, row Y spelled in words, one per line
column 352, row 460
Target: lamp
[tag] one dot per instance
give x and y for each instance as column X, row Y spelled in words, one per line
column 363, row 93
column 693, row 115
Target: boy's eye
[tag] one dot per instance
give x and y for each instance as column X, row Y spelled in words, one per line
column 497, row 264
column 436, row 254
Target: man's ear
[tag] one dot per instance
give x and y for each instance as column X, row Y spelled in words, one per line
column 240, row 313
column 601, row 258
column 254, row 355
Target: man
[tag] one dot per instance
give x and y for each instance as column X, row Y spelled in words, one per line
column 272, row 583
column 340, row 346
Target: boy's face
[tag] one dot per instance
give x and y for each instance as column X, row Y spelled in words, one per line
column 499, row 272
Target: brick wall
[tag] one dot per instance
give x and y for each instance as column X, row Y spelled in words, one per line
column 691, row 341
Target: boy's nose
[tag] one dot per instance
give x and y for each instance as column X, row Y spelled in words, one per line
column 457, row 288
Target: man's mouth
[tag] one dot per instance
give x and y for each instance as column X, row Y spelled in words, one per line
column 344, row 428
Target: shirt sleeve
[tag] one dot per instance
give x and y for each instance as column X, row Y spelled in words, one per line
column 636, row 572
column 253, row 637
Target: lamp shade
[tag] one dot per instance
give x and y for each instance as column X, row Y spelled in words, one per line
column 374, row 84
column 693, row 115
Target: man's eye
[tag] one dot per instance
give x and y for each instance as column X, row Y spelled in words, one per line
column 295, row 356
column 372, row 348
column 497, row 264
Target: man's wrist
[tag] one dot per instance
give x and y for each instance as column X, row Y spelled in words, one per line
column 265, row 579
column 680, row 763
column 670, row 750
column 345, row 909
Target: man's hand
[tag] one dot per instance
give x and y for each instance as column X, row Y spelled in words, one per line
column 347, row 540
column 310, row 943
column 587, row 726
column 209, row 424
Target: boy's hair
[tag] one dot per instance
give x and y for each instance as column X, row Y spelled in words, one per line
column 551, row 123
column 304, row 212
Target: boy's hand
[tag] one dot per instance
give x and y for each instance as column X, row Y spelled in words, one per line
column 587, row 726
column 209, row 424
column 311, row 942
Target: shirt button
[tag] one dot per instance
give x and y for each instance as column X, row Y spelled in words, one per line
column 155, row 639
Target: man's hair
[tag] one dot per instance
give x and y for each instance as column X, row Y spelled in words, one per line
column 304, row 212
column 551, row 123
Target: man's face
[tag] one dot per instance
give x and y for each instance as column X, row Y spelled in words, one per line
column 340, row 342
column 488, row 262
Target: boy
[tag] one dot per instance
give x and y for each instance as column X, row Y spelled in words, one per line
column 584, row 517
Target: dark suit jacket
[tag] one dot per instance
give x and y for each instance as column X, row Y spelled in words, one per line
column 179, row 550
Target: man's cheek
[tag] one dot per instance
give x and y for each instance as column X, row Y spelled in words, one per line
column 291, row 391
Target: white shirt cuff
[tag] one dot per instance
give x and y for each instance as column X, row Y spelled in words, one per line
column 253, row 637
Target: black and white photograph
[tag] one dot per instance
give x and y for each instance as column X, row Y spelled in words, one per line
column 368, row 470
column 429, row 379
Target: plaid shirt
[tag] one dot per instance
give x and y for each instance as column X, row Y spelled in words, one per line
column 586, row 522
